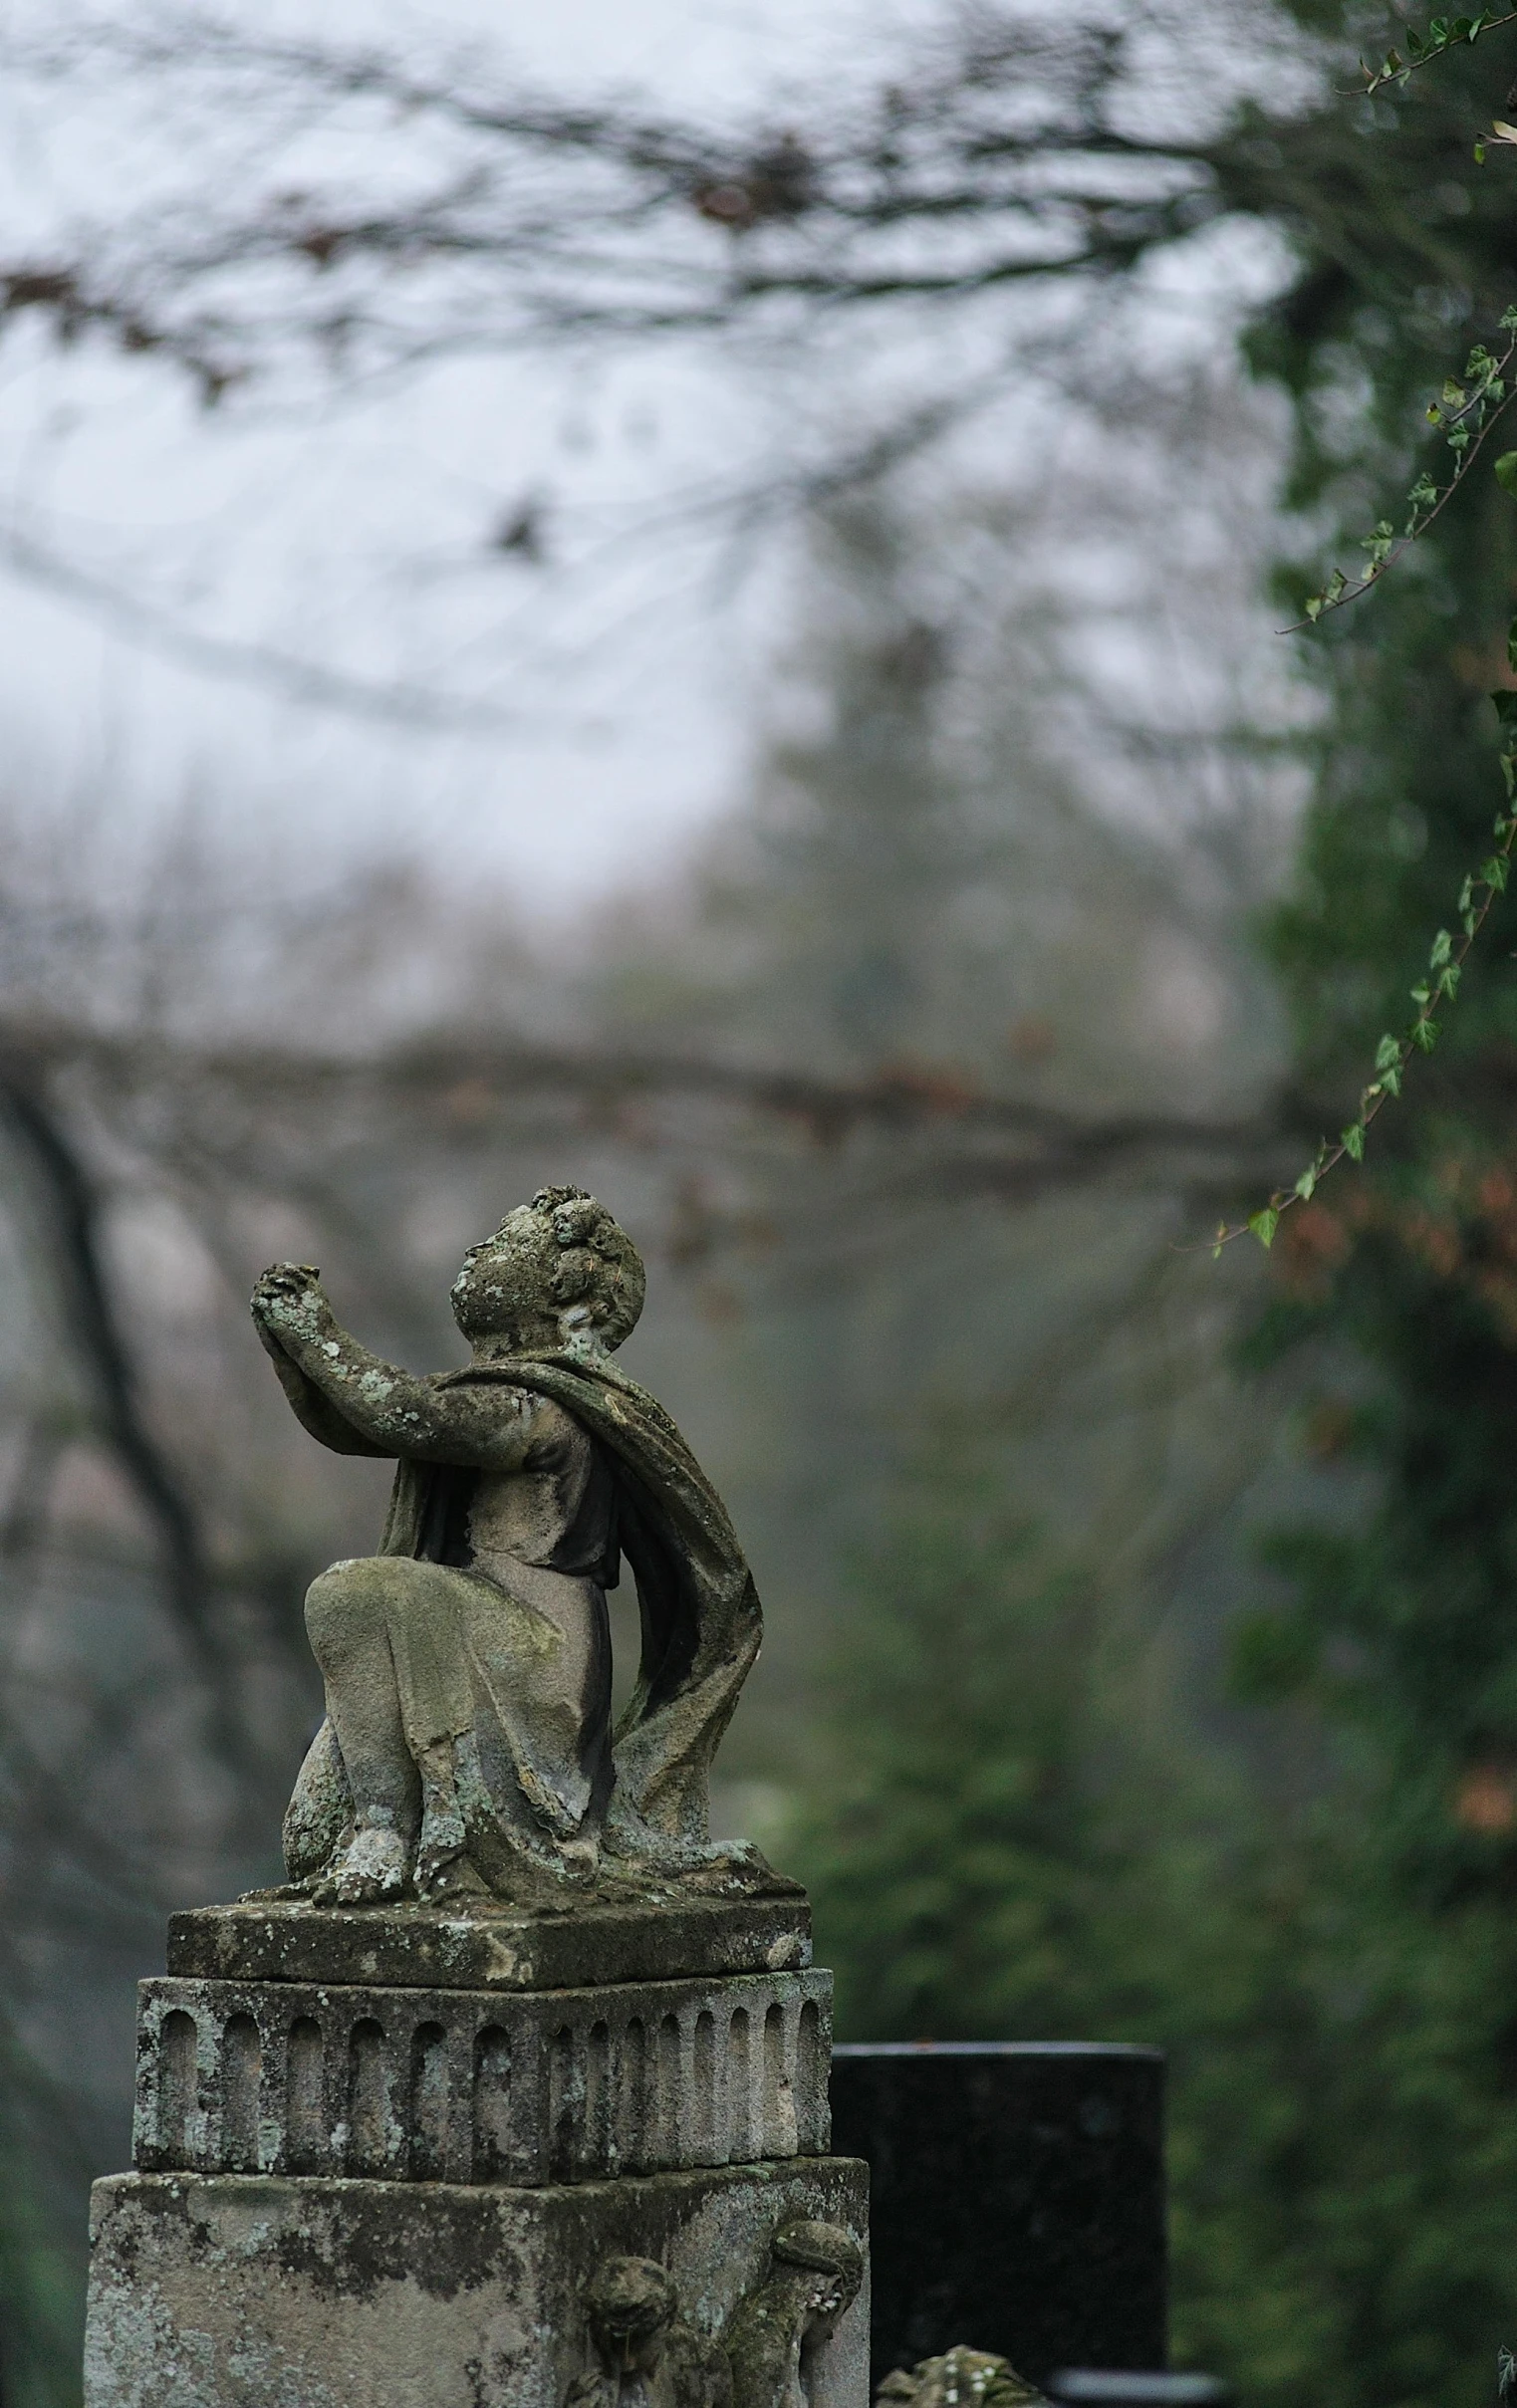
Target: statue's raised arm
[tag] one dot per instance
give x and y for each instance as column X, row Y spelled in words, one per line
column 467, row 1744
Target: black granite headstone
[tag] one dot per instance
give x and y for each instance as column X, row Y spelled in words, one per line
column 1016, row 2200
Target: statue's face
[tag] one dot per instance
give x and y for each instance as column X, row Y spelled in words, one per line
column 506, row 1282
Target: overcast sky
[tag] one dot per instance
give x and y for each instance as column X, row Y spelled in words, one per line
column 619, row 682
column 623, row 669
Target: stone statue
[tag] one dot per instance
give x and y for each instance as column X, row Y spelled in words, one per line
column 467, row 1745
column 651, row 2356
column 961, row 2378
column 648, row 2354
column 814, row 2274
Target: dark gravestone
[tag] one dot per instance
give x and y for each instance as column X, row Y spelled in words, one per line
column 1016, row 2200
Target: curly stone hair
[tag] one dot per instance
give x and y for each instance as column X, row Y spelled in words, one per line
column 598, row 1264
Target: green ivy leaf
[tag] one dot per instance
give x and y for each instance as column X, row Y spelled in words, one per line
column 1354, row 1140
column 1496, row 872
column 1264, row 1224
column 1506, row 473
column 1387, row 1053
column 1443, row 947
column 1424, row 1035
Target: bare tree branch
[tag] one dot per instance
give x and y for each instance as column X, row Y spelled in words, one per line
column 998, row 155
column 1014, row 1145
column 151, row 629
column 73, row 1224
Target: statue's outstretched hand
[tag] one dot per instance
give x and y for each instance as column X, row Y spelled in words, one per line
column 289, row 1298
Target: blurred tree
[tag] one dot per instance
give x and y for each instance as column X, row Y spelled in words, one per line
column 952, row 1846
column 995, row 1850
column 1336, row 1987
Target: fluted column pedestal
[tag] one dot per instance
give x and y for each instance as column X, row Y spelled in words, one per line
column 383, row 2194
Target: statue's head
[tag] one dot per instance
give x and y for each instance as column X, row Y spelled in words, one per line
column 558, row 1272
column 821, row 2264
column 629, row 2302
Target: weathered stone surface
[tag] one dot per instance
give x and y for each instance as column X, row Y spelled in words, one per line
column 459, row 2085
column 250, row 2292
column 961, row 2378
column 490, row 1947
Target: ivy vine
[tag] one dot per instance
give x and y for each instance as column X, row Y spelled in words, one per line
column 1466, row 411
column 1443, row 34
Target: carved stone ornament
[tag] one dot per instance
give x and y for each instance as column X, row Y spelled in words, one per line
column 650, row 2357
column 961, row 2378
column 815, row 2277
column 468, row 1748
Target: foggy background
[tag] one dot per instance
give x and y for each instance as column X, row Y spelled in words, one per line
column 815, row 775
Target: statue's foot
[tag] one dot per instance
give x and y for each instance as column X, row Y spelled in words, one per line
column 372, row 1866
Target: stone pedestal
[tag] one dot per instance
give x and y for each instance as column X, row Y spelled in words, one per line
column 379, row 2193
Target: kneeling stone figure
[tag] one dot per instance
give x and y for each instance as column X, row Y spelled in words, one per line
column 468, row 1665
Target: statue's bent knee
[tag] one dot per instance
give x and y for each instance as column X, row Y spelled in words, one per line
column 344, row 1603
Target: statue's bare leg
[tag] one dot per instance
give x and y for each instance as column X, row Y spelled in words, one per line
column 351, row 1643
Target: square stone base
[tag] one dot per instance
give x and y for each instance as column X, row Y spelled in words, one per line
column 262, row 2292
column 487, row 1945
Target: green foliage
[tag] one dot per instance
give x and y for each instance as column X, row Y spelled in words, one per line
column 990, row 1856
column 1467, row 411
column 951, row 1852
column 1442, row 34
column 1403, row 1638
column 43, row 2172
column 1438, row 983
